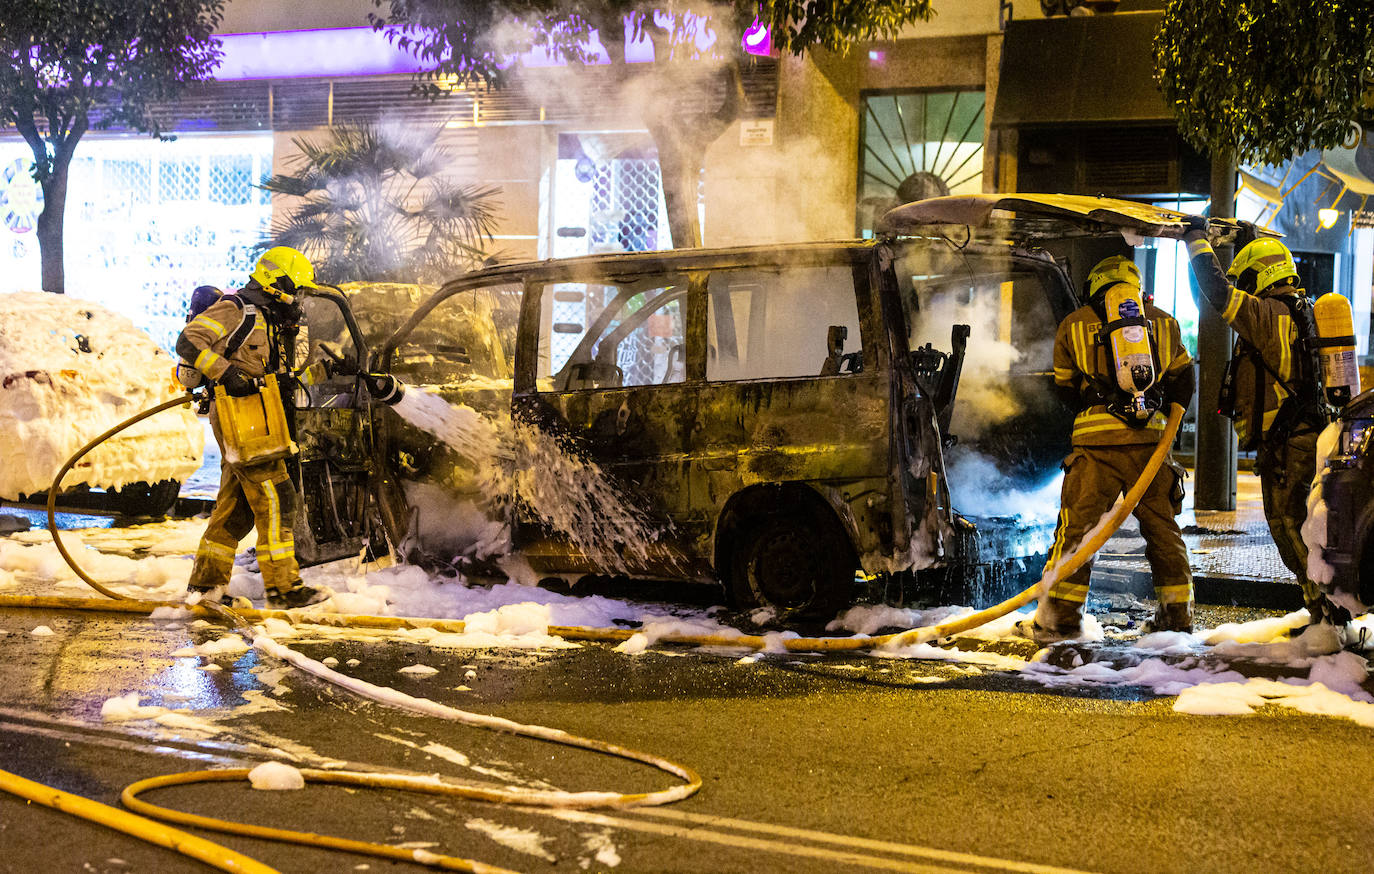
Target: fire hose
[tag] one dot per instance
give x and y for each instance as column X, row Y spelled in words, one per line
column 150, row 830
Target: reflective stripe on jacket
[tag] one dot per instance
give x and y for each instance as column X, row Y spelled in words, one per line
column 1267, row 324
column 1079, row 358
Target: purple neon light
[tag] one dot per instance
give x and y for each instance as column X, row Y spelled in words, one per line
column 757, row 40
column 289, row 54
column 362, row 51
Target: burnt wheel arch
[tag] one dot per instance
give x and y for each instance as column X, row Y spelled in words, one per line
column 782, row 546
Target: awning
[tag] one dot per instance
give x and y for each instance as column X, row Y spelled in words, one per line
column 1092, row 69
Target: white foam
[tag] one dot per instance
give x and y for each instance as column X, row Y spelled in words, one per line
column 522, row 840
column 276, row 776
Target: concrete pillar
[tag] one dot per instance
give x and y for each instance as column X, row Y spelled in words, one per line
column 1215, row 487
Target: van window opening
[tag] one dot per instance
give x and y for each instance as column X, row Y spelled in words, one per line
column 793, row 321
column 613, row 333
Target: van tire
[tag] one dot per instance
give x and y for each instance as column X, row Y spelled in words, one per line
column 798, row 565
column 145, row 499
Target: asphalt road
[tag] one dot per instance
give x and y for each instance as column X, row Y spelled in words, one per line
column 811, row 764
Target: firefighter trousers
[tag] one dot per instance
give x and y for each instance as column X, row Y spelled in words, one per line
column 1285, row 469
column 260, row 495
column 1094, row 476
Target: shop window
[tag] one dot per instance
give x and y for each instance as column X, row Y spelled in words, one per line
column 231, row 179
column 608, row 195
column 178, row 180
column 916, row 145
column 610, row 334
column 128, row 178
column 767, row 323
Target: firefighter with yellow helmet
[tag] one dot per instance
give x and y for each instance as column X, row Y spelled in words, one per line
column 241, row 343
column 1273, row 387
column 1118, row 362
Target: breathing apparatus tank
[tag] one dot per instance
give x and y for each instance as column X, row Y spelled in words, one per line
column 1115, row 281
column 254, row 427
column 1336, row 348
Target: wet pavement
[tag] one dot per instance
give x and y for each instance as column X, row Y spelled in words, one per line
column 1232, row 554
column 811, row 763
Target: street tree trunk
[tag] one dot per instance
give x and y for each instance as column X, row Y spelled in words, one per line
column 52, row 175
column 50, row 222
column 682, row 140
column 680, row 160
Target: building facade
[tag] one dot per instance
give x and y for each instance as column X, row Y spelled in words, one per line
column 988, row 96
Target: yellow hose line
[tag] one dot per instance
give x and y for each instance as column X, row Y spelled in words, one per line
column 129, row 798
column 244, row 618
column 56, row 486
column 1094, row 541
column 132, row 824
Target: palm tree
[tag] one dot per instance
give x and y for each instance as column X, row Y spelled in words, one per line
column 377, row 206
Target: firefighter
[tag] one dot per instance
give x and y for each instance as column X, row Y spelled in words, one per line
column 1115, row 432
column 239, row 338
column 1272, row 389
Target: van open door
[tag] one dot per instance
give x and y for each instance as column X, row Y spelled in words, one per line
column 1033, row 217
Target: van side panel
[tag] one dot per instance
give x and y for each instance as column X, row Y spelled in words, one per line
column 830, row 434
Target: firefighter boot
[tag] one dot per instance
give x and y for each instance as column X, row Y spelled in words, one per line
column 299, row 595
column 1056, row 619
column 1322, row 611
column 1170, row 617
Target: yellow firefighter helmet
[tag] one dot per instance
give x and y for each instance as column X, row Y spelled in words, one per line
column 1110, row 271
column 1262, row 265
column 281, row 270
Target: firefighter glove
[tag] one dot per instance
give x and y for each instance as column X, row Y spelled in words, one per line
column 236, row 383
column 339, row 365
column 1179, row 387
column 1245, row 236
column 1195, row 223
column 383, row 387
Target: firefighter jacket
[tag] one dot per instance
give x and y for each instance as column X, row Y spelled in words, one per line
column 1266, row 325
column 1081, row 365
column 242, row 330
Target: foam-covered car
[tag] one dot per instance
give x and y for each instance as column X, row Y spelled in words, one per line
column 71, row 369
column 1347, row 491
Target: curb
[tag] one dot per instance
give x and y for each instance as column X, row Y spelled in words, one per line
column 1217, row 591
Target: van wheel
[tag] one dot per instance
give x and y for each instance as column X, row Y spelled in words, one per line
column 145, row 499
column 793, row 564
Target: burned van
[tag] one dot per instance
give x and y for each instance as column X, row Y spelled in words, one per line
column 784, row 417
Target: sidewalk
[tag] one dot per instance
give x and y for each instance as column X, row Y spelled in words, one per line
column 1233, row 557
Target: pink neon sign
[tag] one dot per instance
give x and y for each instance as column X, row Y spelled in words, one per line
column 362, row 51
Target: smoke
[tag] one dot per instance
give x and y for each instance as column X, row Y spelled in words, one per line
column 798, row 187
column 978, row 488
column 986, row 397
column 989, row 406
